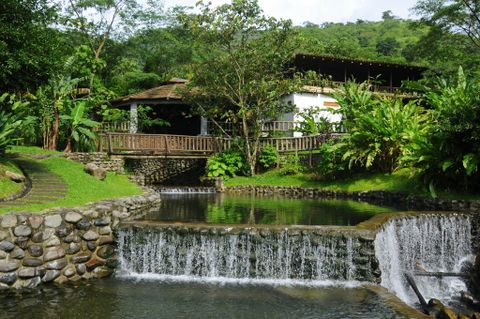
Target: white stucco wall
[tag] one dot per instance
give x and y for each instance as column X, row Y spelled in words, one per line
column 304, row 101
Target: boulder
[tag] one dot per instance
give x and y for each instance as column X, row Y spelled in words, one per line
column 94, row 170
column 17, row 178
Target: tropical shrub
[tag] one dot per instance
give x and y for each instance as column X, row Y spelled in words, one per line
column 379, row 128
column 290, row 165
column 11, row 116
column 268, row 157
column 331, row 166
column 449, row 155
column 79, row 128
column 226, row 164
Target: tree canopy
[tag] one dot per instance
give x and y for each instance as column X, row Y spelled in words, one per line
column 241, row 67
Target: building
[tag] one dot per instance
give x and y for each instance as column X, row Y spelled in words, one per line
column 387, row 79
column 167, row 103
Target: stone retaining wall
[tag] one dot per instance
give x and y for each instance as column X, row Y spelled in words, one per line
column 166, row 171
column 64, row 244
column 103, row 160
column 376, row 197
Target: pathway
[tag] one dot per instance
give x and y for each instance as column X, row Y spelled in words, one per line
column 46, row 186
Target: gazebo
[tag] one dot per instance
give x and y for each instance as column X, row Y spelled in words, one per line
column 167, row 104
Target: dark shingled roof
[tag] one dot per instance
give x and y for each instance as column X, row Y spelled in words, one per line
column 166, row 91
column 313, row 57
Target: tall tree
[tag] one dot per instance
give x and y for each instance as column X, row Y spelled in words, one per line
column 101, row 20
column 28, row 47
column 240, row 75
column 454, row 34
column 457, row 16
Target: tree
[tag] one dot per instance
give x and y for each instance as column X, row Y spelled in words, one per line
column 387, row 15
column 100, row 20
column 79, row 126
column 11, row 115
column 241, row 71
column 387, row 46
column 28, row 47
column 457, row 16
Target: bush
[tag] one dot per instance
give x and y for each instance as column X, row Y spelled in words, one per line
column 331, row 166
column 226, row 164
column 290, row 165
column 268, row 157
column 11, row 116
column 449, row 156
column 379, row 128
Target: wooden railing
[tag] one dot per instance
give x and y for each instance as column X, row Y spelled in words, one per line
column 117, row 127
column 162, row 144
column 272, row 126
column 197, row 145
column 294, row 144
column 280, row 126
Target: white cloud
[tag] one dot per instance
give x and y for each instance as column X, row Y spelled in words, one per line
column 320, row 11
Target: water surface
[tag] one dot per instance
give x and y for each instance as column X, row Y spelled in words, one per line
column 126, row 298
column 234, row 209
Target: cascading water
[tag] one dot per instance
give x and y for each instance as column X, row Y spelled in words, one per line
column 185, row 190
column 245, row 255
column 424, row 243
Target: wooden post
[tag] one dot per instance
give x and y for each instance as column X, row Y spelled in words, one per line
column 110, row 146
column 412, row 284
column 100, row 143
column 167, row 149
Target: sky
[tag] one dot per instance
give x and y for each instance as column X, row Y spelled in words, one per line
column 320, row 11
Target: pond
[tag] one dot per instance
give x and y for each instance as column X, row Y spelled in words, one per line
column 127, row 298
column 233, row 209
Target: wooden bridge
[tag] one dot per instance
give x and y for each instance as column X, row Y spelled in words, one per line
column 203, row 146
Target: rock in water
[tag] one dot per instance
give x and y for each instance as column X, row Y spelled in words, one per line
column 94, row 170
column 17, row 178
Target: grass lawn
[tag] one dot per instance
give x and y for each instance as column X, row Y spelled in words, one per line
column 82, row 188
column 8, row 187
column 400, row 181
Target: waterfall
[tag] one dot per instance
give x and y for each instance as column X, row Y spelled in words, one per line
column 185, row 190
column 433, row 243
column 250, row 254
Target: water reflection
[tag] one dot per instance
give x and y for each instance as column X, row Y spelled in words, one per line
column 115, row 298
column 230, row 209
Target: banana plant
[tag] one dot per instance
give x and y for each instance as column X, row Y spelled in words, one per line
column 11, row 114
column 79, row 126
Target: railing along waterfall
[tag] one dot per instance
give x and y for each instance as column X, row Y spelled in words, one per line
column 198, row 145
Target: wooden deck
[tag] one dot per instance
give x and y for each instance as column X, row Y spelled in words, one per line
column 184, row 145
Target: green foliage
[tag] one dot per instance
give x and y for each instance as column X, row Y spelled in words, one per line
column 82, row 187
column 240, row 74
column 331, row 165
column 226, row 164
column 453, row 36
column 80, row 128
column 362, row 40
column 448, row 157
column 145, row 121
column 11, row 115
column 29, row 48
column 290, row 165
column 379, row 128
column 268, row 157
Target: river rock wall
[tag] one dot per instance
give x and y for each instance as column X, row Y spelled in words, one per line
column 103, row 160
column 376, row 197
column 166, row 171
column 66, row 244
